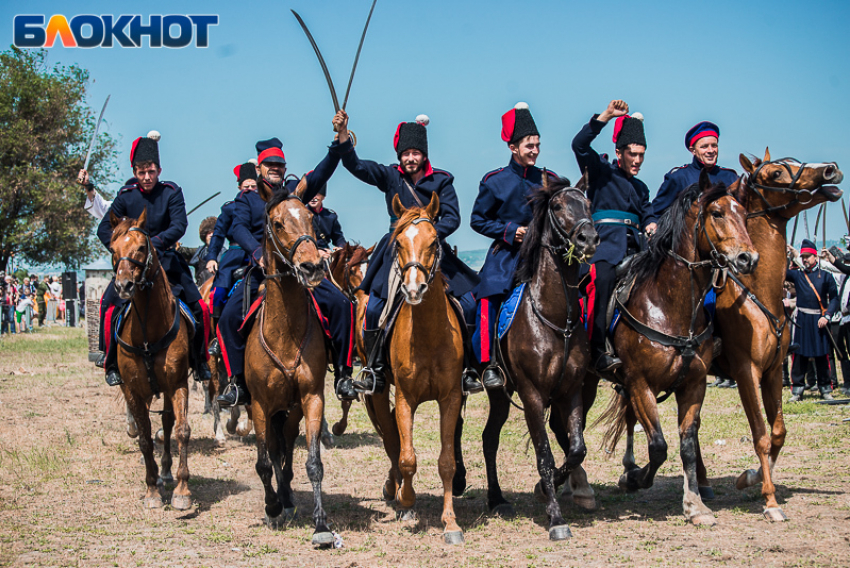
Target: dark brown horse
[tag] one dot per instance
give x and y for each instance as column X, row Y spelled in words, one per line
column 545, row 350
column 664, row 336
column 750, row 316
column 426, row 325
column 153, row 355
column 285, row 359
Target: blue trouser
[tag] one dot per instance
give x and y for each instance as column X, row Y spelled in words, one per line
column 376, row 306
column 337, row 312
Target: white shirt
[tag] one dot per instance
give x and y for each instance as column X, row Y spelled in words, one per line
column 56, row 289
column 97, row 206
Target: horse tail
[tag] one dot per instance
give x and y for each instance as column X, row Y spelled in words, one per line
column 615, row 416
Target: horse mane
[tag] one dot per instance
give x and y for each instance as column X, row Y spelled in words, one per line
column 538, row 200
column 671, row 229
column 278, row 197
column 122, row 228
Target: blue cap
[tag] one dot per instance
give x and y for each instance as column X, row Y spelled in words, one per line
column 701, row 130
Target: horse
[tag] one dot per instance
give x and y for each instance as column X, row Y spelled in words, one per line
column 285, row 359
column 424, row 325
column 545, row 350
column 751, row 319
column 664, row 336
column 211, row 389
column 347, row 269
column 153, row 355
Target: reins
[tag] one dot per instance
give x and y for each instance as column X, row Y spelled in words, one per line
column 798, row 193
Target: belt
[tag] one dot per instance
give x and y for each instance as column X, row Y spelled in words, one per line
column 809, row 311
column 234, row 246
column 615, row 217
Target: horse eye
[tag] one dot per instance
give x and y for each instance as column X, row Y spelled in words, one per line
column 278, row 226
column 557, row 207
column 717, row 214
column 777, row 174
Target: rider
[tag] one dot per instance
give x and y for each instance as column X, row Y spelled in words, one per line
column 620, row 206
column 249, row 223
column 325, row 224
column 413, row 181
column 166, row 224
column 197, row 255
column 501, row 212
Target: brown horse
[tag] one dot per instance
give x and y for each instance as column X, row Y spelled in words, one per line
column 211, row 388
column 545, row 350
column 664, row 337
column 426, row 324
column 285, row 358
column 153, row 354
column 750, row 316
column 347, row 269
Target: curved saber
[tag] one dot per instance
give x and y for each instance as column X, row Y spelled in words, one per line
column 198, row 206
column 357, row 57
column 321, row 59
column 94, row 136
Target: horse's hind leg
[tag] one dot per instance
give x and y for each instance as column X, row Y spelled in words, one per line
column 139, row 409
column 500, row 407
column 290, row 432
column 459, row 479
column 690, row 402
column 340, row 426
column 449, row 420
column 313, row 407
column 181, row 499
column 264, row 466
column 277, row 448
column 771, row 385
column 165, row 475
column 646, row 410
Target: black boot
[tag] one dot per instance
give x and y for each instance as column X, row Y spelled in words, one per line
column 470, row 380
column 110, row 363
column 606, row 363
column 494, row 376
column 236, row 393
column 373, row 373
column 214, row 349
column 344, row 385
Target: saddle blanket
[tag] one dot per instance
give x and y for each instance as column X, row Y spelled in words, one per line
column 508, row 311
column 119, row 324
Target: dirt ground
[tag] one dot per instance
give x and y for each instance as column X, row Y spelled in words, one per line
column 71, row 482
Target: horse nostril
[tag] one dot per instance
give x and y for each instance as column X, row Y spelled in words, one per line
column 422, row 289
column 597, row 240
column 829, row 173
column 582, row 238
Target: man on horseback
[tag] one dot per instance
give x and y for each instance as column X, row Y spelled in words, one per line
column 249, row 226
column 702, row 142
column 501, row 212
column 414, row 181
column 817, row 302
column 325, row 224
column 620, row 205
column 166, row 224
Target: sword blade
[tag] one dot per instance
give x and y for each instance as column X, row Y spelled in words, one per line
column 817, row 220
column 321, row 59
column 844, row 210
column 806, row 225
column 794, row 230
column 823, row 229
column 357, row 56
column 94, row 136
column 198, row 206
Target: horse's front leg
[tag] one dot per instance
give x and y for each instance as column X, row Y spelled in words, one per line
column 181, row 498
column 690, row 401
column 313, row 407
column 139, row 409
column 404, row 414
column 570, row 417
column 646, row 410
column 263, row 466
column 500, row 408
column 449, row 420
column 168, row 419
column 459, row 479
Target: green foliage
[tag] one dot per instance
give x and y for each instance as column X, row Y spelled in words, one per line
column 46, row 126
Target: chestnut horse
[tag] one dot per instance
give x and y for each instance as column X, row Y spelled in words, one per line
column 750, row 316
column 153, row 354
column 425, row 362
column 285, row 358
column 545, row 350
column 664, row 336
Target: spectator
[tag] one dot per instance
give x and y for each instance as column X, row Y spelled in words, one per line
column 7, row 307
column 40, row 290
column 842, row 337
column 24, row 302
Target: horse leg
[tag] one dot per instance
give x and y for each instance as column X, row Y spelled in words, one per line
column 459, row 479
column 340, row 426
column 771, row 386
column 244, row 427
column 646, row 410
column 233, row 420
column 132, row 429
column 276, row 447
column 500, row 407
column 629, row 462
column 264, row 466
column 181, row 498
column 291, row 429
column 313, row 407
column 449, row 422
column 534, row 412
column 404, row 414
column 690, row 403
column 581, row 491
column 378, row 406
column 705, row 490
column 325, row 436
column 139, row 410
column 167, row 427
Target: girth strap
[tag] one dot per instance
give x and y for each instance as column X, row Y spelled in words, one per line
column 149, row 351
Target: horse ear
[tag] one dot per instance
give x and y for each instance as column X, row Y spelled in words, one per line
column 398, row 208
column 113, row 219
column 545, row 179
column 264, row 190
column 301, row 188
column 433, row 208
column 746, row 164
column 584, row 182
column 140, row 222
column 371, row 249
column 738, row 190
column 766, row 155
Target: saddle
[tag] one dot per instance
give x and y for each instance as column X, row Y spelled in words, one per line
column 253, row 310
column 120, row 318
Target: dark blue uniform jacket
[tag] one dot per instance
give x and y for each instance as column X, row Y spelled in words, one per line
column 611, row 189
column 234, row 257
column 500, row 209
column 327, row 228
column 812, row 340
column 679, row 179
column 166, row 224
column 390, row 180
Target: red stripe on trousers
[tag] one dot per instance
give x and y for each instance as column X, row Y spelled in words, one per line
column 485, row 330
column 223, row 348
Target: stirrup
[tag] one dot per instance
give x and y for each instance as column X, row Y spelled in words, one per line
column 471, row 375
column 362, row 387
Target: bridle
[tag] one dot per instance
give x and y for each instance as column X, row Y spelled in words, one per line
column 566, row 246
column 144, row 283
column 346, row 276
column 801, row 196
column 438, row 254
column 284, row 253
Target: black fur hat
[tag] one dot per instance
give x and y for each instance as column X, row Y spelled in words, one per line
column 629, row 130
column 518, row 123
column 412, row 136
column 146, row 149
column 245, row 171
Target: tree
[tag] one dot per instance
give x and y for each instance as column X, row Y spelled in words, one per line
column 45, row 128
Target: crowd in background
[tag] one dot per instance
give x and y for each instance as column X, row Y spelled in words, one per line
column 25, row 301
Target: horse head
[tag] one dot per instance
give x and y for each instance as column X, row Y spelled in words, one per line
column 787, row 186
column 134, row 259
column 290, row 243
column 348, row 267
column 417, row 247
column 721, row 228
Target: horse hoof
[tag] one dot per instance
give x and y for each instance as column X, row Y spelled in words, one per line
column 290, row 513
column 231, row 427
column 585, row 503
column 458, row 487
column 132, row 431
column 220, row 441
column 539, row 494
column 153, row 502
column 626, row 485
column 747, row 479
column 561, row 532
column 454, row 537
column 338, row 429
column 703, row 520
column 706, row 493
column 181, row 502
column 323, row 539
column 387, row 494
column 244, row 428
column 328, row 441
column 406, row 515
column 504, row 510
column 775, row 514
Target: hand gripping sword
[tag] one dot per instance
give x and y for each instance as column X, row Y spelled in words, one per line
column 94, row 136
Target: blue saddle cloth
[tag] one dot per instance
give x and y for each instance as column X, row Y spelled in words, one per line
column 509, row 310
column 119, row 324
column 710, row 306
